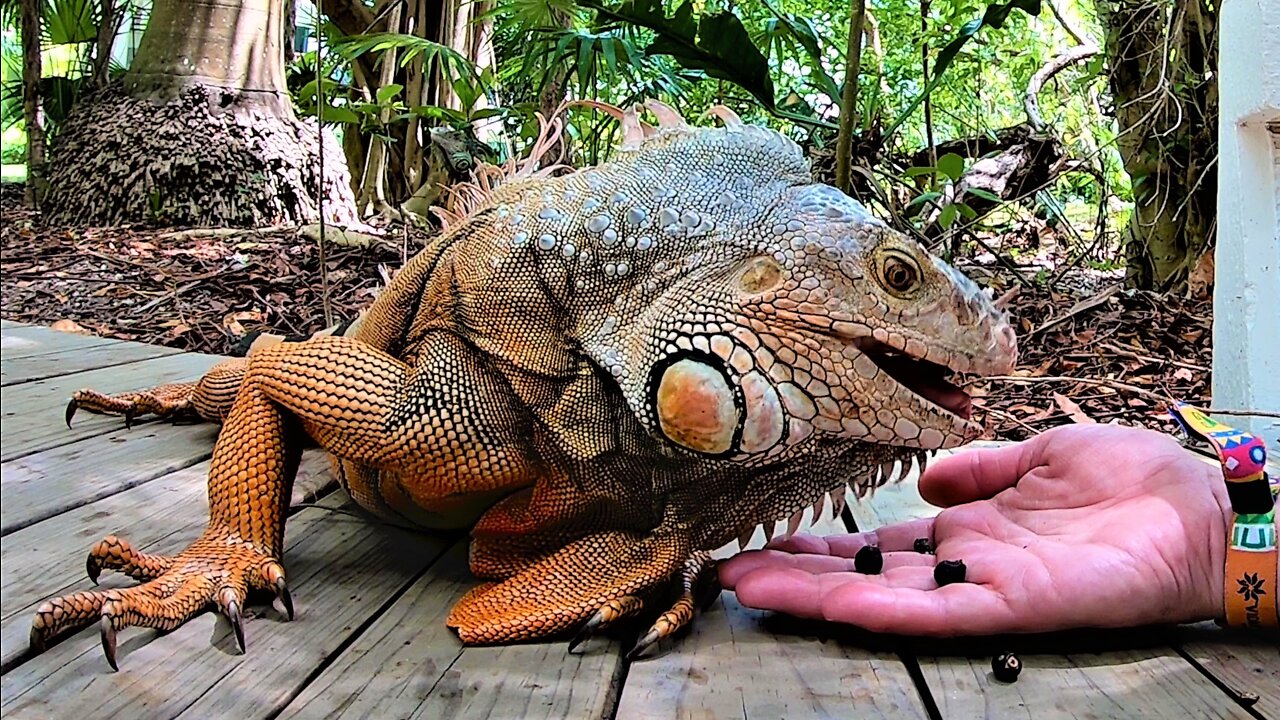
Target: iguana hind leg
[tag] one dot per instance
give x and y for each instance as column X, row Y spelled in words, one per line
column 412, row 431
column 210, row 398
column 333, row 388
column 250, row 479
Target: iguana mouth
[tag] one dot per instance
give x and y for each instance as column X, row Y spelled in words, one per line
column 929, row 380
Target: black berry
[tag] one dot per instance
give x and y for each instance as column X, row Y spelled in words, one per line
column 1006, row 667
column 948, row 571
column 923, row 546
column 869, row 560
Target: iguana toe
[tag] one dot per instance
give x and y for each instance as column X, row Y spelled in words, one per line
column 114, row 553
column 165, row 401
column 609, row 613
column 699, row 587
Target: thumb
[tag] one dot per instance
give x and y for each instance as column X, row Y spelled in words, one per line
column 977, row 474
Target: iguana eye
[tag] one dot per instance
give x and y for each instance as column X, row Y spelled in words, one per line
column 900, row 274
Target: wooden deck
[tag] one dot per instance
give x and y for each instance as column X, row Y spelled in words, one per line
column 369, row 640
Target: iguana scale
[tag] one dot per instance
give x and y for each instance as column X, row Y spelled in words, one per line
column 605, row 374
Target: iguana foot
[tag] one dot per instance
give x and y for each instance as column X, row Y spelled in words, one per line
column 218, row 569
column 595, row 580
column 165, row 401
column 699, row 586
column 208, row 398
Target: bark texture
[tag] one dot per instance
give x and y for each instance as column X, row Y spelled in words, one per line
column 200, row 131
column 1163, row 59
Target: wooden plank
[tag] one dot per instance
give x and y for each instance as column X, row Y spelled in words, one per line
column 17, row 340
column 1145, row 683
column 409, row 665
column 164, row 516
column 342, row 572
column 33, row 412
column 1247, row 663
column 43, row 484
column 735, row 662
column 1156, row 679
column 38, row 366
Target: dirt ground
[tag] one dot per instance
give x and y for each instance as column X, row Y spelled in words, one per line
column 1090, row 350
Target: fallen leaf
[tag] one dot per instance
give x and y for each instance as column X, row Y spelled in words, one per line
column 1073, row 411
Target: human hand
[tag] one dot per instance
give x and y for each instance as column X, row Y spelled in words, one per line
column 1082, row 526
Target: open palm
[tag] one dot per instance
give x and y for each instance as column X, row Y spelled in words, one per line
column 1083, row 526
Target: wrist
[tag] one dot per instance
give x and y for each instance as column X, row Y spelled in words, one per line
column 1219, row 536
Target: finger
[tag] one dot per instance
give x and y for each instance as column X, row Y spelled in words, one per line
column 878, row 603
column 800, row 543
column 795, row 591
column 733, row 569
column 978, row 474
column 898, row 537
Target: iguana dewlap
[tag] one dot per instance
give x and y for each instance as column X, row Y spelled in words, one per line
column 606, row 374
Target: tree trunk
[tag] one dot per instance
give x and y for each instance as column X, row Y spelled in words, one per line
column 201, row 131
column 107, row 28
column 32, row 112
column 1163, row 60
column 849, row 96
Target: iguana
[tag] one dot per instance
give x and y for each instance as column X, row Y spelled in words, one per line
column 605, row 374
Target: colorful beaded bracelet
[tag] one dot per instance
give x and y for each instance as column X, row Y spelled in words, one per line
column 1249, row 586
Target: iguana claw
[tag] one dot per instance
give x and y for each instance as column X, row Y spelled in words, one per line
column 232, row 610
column 608, row 614
column 282, row 592
column 649, row 639
column 108, row 641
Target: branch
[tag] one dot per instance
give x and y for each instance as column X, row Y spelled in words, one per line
column 1086, row 49
column 351, row 16
column 1030, row 102
column 849, row 96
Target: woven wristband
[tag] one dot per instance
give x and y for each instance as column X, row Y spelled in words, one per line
column 1249, row 588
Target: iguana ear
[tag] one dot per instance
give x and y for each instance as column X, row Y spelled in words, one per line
column 696, row 404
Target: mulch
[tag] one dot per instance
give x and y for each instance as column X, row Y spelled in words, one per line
column 1090, row 351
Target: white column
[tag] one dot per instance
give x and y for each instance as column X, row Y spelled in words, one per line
column 1246, row 302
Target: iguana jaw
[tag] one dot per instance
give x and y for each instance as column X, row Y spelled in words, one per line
column 927, row 380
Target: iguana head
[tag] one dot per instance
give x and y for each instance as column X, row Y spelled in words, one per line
column 761, row 312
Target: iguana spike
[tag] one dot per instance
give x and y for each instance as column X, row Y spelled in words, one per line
column 793, row 523
column 818, row 507
column 633, row 132
column 667, row 115
column 837, row 501
column 768, row 530
column 727, row 116
column 745, row 538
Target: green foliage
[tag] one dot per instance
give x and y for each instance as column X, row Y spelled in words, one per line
column 994, row 17
column 716, row 44
column 450, row 63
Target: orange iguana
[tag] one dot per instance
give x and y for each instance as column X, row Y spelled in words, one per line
column 605, row 374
